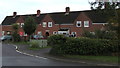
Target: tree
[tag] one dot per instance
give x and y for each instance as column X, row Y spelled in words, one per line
column 29, row 26
column 15, row 35
column 111, row 10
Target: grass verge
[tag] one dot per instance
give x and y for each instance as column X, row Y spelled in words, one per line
column 112, row 59
column 31, row 48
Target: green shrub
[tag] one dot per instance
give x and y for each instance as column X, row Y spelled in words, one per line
column 85, row 46
column 56, row 39
column 16, row 37
column 34, row 44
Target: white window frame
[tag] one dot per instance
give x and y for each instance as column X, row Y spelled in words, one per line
column 39, row 33
column 78, row 22
column 74, row 32
column 86, row 22
column 49, row 24
column 22, row 24
column 55, row 32
column 3, row 32
column 44, row 24
column 25, row 34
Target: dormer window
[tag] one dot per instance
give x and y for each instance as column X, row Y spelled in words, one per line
column 86, row 23
column 44, row 24
column 78, row 24
column 49, row 24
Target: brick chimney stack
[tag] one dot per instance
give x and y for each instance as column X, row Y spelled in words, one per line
column 14, row 14
column 38, row 13
column 67, row 9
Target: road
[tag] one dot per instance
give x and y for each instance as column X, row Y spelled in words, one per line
column 12, row 58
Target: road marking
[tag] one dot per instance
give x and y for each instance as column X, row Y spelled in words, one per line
column 27, row 53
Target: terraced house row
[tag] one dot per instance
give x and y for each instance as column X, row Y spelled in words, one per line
column 67, row 22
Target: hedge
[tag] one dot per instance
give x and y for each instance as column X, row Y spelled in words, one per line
column 82, row 46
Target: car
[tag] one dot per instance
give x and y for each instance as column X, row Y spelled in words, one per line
column 6, row 37
column 37, row 37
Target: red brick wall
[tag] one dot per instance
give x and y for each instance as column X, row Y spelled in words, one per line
column 55, row 27
column 43, row 29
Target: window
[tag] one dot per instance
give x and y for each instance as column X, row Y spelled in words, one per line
column 22, row 24
column 78, row 24
column 18, row 23
column 39, row 33
column 55, row 32
column 44, row 24
column 8, row 32
column 25, row 34
column 73, row 34
column 49, row 24
column 86, row 23
column 3, row 32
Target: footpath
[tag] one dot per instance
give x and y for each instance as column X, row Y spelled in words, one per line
column 44, row 53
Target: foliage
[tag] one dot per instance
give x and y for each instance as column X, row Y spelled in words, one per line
column 56, row 39
column 111, row 35
column 15, row 35
column 15, row 27
column 88, row 34
column 85, row 46
column 29, row 26
column 34, row 44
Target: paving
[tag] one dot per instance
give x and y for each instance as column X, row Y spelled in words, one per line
column 44, row 53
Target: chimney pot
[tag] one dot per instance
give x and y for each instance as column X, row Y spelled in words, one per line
column 14, row 14
column 67, row 9
column 38, row 13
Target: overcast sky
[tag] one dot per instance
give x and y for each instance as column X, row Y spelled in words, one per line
column 22, row 7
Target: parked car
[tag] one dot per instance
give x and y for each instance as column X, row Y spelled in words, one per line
column 37, row 37
column 6, row 37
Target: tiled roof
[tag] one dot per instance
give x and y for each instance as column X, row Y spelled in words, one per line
column 60, row 17
column 96, row 17
column 10, row 20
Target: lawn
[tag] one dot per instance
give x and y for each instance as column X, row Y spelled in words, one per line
column 112, row 59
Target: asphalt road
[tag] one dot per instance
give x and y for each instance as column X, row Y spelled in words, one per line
column 12, row 58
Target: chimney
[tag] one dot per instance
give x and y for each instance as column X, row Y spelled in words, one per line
column 67, row 10
column 38, row 13
column 14, row 14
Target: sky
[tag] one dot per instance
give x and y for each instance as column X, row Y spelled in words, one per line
column 23, row 7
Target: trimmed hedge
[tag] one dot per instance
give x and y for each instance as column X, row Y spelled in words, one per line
column 82, row 46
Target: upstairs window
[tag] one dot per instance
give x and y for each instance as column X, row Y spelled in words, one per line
column 49, row 24
column 44, row 24
column 22, row 24
column 78, row 24
column 86, row 23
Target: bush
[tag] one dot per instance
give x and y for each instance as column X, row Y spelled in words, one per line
column 34, row 44
column 85, row 46
column 56, row 39
column 101, row 34
column 16, row 37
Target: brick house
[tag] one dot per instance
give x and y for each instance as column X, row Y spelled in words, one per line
column 68, row 22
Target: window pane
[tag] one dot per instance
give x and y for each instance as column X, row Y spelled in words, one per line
column 44, row 24
column 86, row 23
column 78, row 24
column 49, row 24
